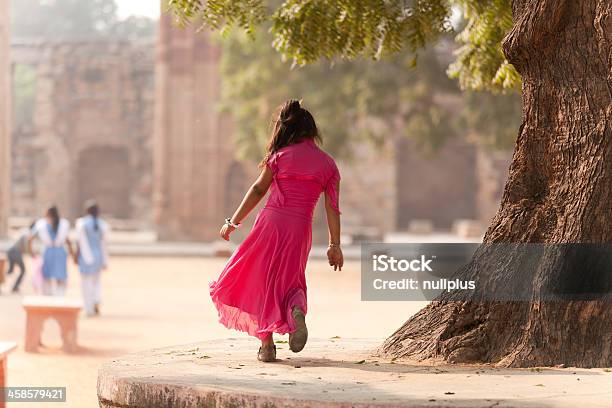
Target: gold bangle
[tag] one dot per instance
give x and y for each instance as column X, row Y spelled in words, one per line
column 332, row 245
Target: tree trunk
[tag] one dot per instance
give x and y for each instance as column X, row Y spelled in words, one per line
column 559, row 191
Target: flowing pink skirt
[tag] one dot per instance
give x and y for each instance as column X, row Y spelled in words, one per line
column 265, row 277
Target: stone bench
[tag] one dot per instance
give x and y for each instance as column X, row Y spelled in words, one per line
column 40, row 308
column 332, row 373
column 421, row 227
column 468, row 228
column 5, row 349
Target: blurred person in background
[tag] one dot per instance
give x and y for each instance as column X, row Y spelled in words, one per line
column 15, row 255
column 91, row 256
column 52, row 231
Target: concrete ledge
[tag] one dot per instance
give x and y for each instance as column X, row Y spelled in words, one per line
column 331, row 373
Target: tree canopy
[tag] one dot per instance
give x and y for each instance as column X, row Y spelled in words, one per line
column 364, row 103
column 306, row 31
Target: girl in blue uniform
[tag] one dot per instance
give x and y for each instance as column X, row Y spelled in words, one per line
column 92, row 256
column 53, row 231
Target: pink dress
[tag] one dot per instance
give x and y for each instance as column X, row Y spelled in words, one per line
column 265, row 277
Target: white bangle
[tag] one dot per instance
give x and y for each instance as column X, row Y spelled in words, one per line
column 229, row 222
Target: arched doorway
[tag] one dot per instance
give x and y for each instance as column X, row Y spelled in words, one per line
column 104, row 175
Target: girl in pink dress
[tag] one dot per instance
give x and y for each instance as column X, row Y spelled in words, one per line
column 262, row 289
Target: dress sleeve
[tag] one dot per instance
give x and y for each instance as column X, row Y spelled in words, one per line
column 272, row 164
column 331, row 188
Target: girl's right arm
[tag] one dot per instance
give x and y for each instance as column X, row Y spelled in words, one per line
column 253, row 196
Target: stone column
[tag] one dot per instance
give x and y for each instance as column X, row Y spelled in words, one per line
column 5, row 116
column 191, row 151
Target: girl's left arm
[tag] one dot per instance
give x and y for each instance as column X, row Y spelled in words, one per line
column 253, row 196
column 334, row 253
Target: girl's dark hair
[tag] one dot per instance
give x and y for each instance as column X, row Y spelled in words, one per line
column 292, row 125
column 92, row 209
column 53, row 213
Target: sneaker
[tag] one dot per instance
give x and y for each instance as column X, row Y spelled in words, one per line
column 267, row 354
column 297, row 339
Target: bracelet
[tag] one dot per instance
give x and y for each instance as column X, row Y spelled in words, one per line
column 229, row 222
column 332, row 245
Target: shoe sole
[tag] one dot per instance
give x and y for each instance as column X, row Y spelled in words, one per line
column 297, row 339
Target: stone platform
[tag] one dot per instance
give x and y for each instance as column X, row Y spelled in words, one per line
column 332, row 373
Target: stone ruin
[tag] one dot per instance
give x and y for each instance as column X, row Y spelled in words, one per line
column 89, row 132
column 137, row 127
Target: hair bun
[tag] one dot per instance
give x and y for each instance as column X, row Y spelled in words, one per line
column 294, row 105
column 290, row 110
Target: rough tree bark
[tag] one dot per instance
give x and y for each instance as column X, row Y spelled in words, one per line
column 559, row 191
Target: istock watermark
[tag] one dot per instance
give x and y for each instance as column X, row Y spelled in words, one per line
column 412, row 271
column 384, row 263
column 491, row 272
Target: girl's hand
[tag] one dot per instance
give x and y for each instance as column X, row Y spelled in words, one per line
column 335, row 257
column 225, row 232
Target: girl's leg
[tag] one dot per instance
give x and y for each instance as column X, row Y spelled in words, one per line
column 267, row 341
column 47, row 287
column 60, row 289
column 87, row 287
column 21, row 275
column 267, row 351
column 97, row 292
column 296, row 315
column 298, row 339
column 11, row 266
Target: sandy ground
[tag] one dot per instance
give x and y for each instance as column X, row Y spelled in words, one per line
column 156, row 302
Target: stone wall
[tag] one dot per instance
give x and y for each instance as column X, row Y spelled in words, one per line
column 5, row 126
column 369, row 194
column 196, row 177
column 90, row 131
column 441, row 187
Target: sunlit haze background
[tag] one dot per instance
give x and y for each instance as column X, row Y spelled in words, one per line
column 149, row 8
